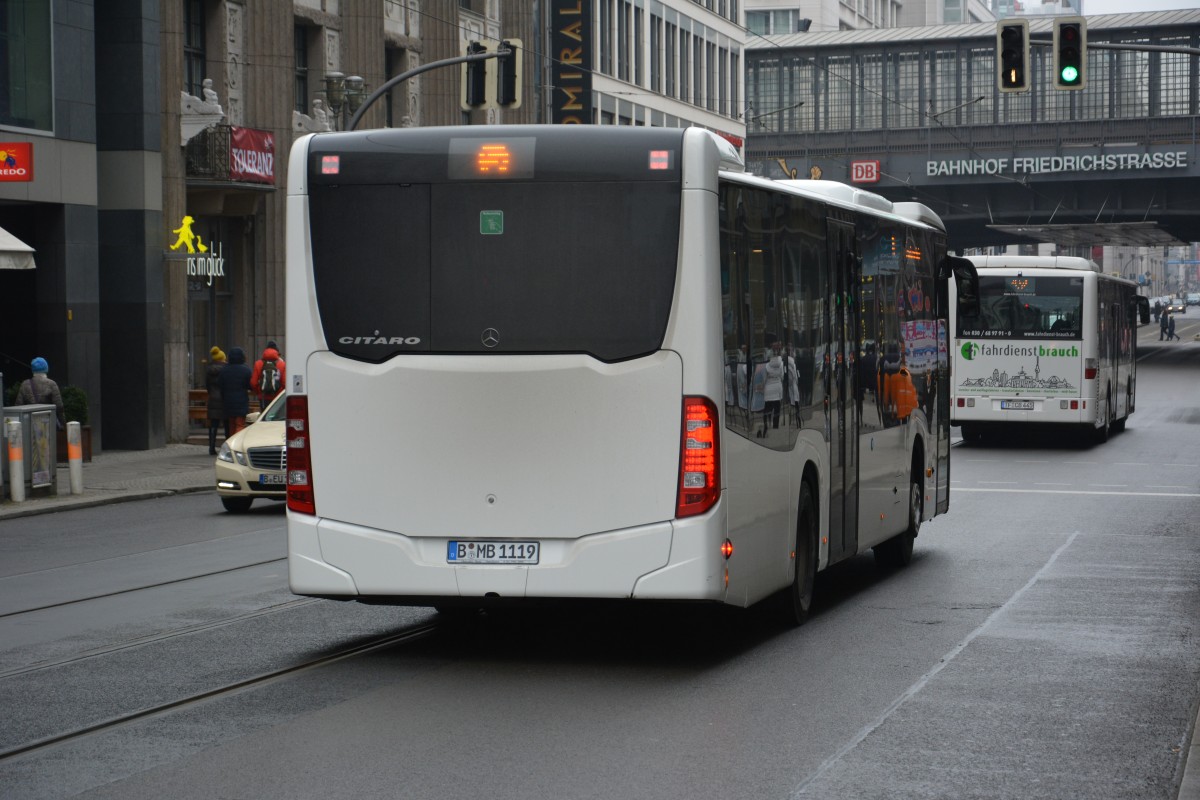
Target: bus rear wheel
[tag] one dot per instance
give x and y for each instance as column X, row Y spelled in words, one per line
column 796, row 600
column 1105, row 430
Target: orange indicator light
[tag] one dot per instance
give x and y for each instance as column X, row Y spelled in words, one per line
column 493, row 158
column 660, row 159
column 727, row 548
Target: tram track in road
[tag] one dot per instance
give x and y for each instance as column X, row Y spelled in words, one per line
column 409, row 635
column 141, row 641
column 132, row 589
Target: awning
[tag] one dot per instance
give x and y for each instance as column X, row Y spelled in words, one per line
column 14, row 254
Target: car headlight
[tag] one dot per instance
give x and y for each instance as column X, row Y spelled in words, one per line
column 225, row 453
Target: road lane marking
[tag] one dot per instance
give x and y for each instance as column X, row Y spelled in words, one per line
column 1079, row 491
column 912, row 691
column 1005, row 483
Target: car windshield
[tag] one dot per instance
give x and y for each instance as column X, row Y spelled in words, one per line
column 276, row 412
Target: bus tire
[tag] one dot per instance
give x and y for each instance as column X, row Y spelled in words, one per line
column 897, row 551
column 796, row 600
column 1105, row 430
column 1119, row 425
column 971, row 433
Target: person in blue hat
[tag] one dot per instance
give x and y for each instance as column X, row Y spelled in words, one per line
column 40, row 389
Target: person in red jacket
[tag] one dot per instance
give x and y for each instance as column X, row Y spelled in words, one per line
column 269, row 372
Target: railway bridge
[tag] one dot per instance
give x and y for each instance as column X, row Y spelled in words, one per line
column 916, row 114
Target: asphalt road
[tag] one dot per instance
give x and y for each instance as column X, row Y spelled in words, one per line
column 1043, row 644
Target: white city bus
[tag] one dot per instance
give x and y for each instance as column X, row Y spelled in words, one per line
column 532, row 362
column 1054, row 342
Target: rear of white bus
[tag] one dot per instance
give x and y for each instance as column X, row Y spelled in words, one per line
column 1029, row 358
column 493, row 393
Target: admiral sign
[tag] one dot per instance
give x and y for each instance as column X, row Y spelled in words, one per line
column 571, row 51
column 16, row 161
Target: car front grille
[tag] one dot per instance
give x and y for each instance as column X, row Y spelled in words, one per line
column 273, row 458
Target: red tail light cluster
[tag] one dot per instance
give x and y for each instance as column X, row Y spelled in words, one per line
column 699, row 459
column 299, row 457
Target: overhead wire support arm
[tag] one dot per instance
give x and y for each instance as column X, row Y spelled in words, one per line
column 390, row 83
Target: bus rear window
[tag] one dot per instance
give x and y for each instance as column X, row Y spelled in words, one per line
column 1026, row 308
column 504, row 267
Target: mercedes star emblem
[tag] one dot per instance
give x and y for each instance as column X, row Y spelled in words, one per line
column 491, row 337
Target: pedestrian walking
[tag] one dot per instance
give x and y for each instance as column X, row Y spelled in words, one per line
column 269, row 372
column 216, row 409
column 234, row 381
column 1171, row 329
column 1157, row 309
column 1163, row 323
column 39, row 388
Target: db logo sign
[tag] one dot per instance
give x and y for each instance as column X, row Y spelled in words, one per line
column 864, row 172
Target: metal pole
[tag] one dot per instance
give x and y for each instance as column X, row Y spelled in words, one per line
column 403, row 76
column 16, row 460
column 75, row 457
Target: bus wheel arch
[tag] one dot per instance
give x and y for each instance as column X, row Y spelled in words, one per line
column 897, row 551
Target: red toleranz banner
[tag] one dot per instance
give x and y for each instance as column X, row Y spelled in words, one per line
column 251, row 155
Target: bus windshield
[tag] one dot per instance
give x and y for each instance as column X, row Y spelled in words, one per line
column 1020, row 307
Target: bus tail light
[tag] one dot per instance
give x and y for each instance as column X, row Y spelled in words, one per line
column 299, row 457
column 699, row 461
column 1089, row 369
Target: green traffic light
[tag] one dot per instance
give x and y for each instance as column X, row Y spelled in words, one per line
column 1070, row 74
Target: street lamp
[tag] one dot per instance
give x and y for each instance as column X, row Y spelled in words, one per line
column 344, row 95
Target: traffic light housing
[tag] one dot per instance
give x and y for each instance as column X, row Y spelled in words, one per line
column 508, row 74
column 1012, row 55
column 1070, row 53
column 474, row 78
column 492, row 82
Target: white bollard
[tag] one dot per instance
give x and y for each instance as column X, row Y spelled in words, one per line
column 75, row 457
column 16, row 460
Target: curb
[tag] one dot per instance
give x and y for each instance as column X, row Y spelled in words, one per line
column 71, row 502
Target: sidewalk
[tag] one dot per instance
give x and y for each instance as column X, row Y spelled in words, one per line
column 119, row 475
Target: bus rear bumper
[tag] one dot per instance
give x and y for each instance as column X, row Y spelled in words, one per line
column 333, row 559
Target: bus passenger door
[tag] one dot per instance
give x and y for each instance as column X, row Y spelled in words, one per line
column 843, row 349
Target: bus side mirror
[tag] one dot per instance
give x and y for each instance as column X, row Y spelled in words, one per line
column 1142, row 313
column 966, row 281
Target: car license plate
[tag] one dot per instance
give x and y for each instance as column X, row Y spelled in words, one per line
column 272, row 480
column 1017, row 405
column 492, row 553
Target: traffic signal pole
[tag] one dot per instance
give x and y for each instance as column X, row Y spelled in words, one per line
column 390, row 83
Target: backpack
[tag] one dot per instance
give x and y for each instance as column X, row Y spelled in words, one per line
column 269, row 380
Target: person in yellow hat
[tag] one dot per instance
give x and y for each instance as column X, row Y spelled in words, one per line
column 216, row 408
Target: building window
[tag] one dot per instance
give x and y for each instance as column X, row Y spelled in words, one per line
column 656, row 54
column 623, row 41
column 193, row 47
column 638, row 48
column 26, row 77
column 669, row 61
column 766, row 23
column 301, row 51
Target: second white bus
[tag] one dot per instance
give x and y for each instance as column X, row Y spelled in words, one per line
column 1054, row 342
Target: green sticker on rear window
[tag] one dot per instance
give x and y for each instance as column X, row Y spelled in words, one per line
column 491, row 222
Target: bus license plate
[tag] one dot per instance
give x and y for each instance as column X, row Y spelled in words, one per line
column 492, row 553
column 1017, row 405
column 272, row 480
